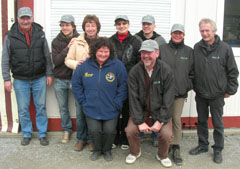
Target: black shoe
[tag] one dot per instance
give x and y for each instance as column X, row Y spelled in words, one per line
column 108, row 156
column 198, row 150
column 217, row 157
column 177, row 159
column 44, row 141
column 25, row 141
column 95, row 155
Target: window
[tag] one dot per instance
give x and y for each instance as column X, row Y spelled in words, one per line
column 231, row 30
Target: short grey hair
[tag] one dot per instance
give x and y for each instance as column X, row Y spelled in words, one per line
column 207, row 20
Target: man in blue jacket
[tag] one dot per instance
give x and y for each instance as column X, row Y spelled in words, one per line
column 26, row 54
column 215, row 78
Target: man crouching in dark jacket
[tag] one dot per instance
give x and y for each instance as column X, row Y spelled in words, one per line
column 151, row 93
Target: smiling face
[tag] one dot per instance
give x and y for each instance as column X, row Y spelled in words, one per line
column 207, row 33
column 148, row 28
column 177, row 36
column 122, row 26
column 66, row 28
column 25, row 22
column 149, row 58
column 91, row 29
column 102, row 55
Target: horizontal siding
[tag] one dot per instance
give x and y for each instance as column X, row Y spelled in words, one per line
column 107, row 10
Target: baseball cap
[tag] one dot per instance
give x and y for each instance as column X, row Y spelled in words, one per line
column 24, row 11
column 123, row 17
column 67, row 18
column 177, row 27
column 149, row 45
column 148, row 19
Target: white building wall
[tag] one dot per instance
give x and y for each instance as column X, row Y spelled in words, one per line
column 186, row 12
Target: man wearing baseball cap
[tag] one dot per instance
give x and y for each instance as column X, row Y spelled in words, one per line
column 179, row 57
column 151, row 93
column 62, row 74
column 26, row 55
column 147, row 32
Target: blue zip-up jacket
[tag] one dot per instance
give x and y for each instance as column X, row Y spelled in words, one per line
column 100, row 91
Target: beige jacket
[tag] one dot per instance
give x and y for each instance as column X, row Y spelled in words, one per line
column 78, row 51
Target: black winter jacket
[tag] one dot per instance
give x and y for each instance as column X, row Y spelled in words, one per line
column 59, row 52
column 179, row 58
column 215, row 69
column 158, row 38
column 128, row 50
column 161, row 93
column 27, row 63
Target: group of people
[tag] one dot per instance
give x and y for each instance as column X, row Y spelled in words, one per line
column 119, row 82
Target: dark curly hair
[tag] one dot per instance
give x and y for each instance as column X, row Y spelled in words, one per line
column 101, row 42
column 91, row 18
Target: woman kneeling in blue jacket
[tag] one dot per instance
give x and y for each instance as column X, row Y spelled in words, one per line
column 100, row 86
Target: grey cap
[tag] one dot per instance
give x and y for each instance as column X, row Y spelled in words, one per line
column 24, row 11
column 177, row 27
column 67, row 18
column 148, row 19
column 149, row 45
column 122, row 17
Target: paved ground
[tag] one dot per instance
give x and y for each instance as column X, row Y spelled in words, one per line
column 62, row 156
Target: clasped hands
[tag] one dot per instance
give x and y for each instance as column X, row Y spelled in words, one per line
column 145, row 128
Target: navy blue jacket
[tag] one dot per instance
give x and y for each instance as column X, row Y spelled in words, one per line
column 100, row 91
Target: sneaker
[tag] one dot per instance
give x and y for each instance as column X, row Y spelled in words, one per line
column 66, row 137
column 108, row 156
column 130, row 159
column 25, row 141
column 79, row 146
column 114, row 146
column 44, row 141
column 90, row 146
column 124, row 147
column 166, row 162
column 95, row 155
column 177, row 159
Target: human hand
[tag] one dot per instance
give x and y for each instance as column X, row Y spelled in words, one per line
column 156, row 126
column 71, row 42
column 49, row 81
column 143, row 127
column 8, row 86
column 226, row 95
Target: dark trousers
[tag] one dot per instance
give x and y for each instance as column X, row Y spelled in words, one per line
column 102, row 132
column 164, row 138
column 121, row 137
column 216, row 110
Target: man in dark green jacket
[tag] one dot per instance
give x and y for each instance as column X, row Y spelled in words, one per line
column 215, row 78
column 151, row 93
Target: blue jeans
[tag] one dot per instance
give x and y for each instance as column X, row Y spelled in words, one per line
column 23, row 90
column 82, row 130
column 61, row 88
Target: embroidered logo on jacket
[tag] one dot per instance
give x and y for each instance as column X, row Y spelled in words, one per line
column 216, row 57
column 88, row 75
column 183, row 57
column 110, row 77
column 156, row 82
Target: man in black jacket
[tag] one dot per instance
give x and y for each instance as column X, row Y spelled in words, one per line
column 179, row 57
column 26, row 54
column 215, row 78
column 151, row 93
